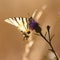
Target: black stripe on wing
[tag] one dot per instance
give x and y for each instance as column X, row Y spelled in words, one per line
column 15, row 19
column 25, row 20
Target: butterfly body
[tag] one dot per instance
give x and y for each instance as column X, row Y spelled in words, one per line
column 34, row 25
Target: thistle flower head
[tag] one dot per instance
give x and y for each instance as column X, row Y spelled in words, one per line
column 32, row 23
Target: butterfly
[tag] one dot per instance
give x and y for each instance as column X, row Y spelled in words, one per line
column 25, row 25
column 21, row 24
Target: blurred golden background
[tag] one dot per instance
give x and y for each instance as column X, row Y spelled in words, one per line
column 11, row 40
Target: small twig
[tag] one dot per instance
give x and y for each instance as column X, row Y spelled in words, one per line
column 52, row 37
column 49, row 41
column 53, row 51
column 45, row 34
column 48, row 29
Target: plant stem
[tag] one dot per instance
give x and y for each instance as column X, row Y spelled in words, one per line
column 49, row 42
column 52, row 49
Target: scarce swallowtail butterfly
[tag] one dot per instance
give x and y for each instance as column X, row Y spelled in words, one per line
column 21, row 24
column 25, row 25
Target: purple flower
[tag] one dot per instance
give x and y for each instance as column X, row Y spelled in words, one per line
column 32, row 24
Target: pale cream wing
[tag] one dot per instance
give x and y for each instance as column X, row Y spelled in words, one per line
column 17, row 22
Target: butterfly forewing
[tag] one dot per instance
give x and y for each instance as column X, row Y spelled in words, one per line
column 8, row 21
column 12, row 22
column 19, row 22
